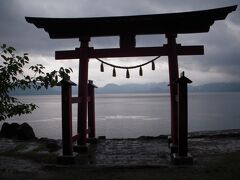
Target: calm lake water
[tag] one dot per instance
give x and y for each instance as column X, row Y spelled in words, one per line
column 134, row 115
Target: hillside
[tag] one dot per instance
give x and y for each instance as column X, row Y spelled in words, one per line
column 137, row 88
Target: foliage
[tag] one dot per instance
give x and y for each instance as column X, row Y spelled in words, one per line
column 12, row 77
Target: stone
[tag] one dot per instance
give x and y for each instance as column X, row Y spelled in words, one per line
column 4, row 130
column 43, row 140
column 9, row 130
column 53, row 146
column 25, row 132
column 101, row 137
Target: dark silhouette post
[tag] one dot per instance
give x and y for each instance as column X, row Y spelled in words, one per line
column 91, row 111
column 83, row 95
column 173, row 76
column 67, row 147
column 182, row 156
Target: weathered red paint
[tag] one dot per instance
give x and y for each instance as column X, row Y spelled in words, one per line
column 75, row 138
column 173, row 76
column 181, row 23
column 182, row 84
column 91, row 111
column 67, row 117
column 83, row 92
column 128, row 52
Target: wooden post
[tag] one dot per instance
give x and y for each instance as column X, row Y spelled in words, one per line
column 83, row 93
column 182, row 156
column 67, row 147
column 91, row 112
column 173, row 76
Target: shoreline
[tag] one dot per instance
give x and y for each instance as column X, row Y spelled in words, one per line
column 191, row 135
column 211, row 150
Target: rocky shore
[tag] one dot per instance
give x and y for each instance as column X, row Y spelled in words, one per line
column 39, row 154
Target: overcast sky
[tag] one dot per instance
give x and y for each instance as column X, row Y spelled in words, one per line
column 221, row 62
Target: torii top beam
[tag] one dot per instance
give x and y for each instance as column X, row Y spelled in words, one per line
column 178, row 23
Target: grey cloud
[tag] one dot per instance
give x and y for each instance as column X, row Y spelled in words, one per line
column 221, row 44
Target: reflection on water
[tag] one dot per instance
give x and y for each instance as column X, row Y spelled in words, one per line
column 133, row 115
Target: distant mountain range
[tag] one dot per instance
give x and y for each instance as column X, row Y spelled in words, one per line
column 164, row 88
column 138, row 88
column 42, row 91
column 134, row 88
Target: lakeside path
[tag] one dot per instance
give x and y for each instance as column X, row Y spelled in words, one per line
column 213, row 152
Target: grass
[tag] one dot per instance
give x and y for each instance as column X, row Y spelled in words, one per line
column 220, row 167
column 225, row 166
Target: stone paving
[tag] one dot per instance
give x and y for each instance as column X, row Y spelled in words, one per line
column 152, row 152
column 127, row 152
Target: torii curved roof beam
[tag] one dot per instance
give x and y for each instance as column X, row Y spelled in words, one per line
column 179, row 23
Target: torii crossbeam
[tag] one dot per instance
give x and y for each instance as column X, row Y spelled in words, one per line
column 127, row 27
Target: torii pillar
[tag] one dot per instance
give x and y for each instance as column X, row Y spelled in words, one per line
column 83, row 93
column 173, row 76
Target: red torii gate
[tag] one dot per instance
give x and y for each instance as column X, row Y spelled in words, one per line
column 127, row 27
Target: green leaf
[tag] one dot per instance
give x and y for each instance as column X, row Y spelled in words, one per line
column 26, row 58
column 12, row 76
column 3, row 46
column 11, row 48
column 67, row 71
column 4, row 57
